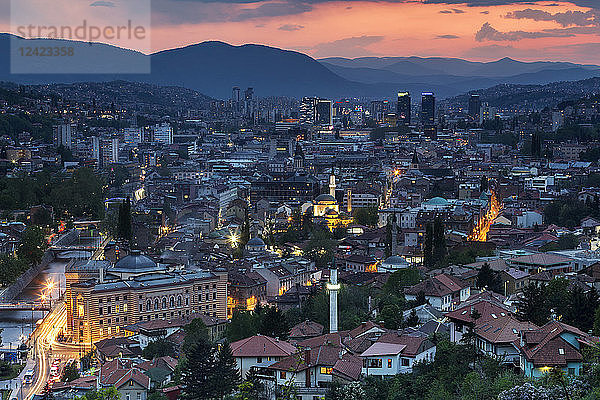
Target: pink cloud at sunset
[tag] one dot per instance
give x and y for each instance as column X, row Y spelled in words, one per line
column 478, row 30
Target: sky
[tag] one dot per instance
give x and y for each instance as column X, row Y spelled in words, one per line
column 481, row 30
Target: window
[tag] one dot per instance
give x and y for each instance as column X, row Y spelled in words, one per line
column 172, row 302
column 561, row 351
column 124, row 307
column 405, row 362
column 148, row 305
column 281, row 374
column 389, row 363
column 571, row 371
column 326, row 371
column 139, row 396
column 214, row 296
column 259, row 360
column 117, row 308
column 374, row 363
column 141, row 308
column 156, row 304
column 179, row 301
column 164, row 303
column 101, row 322
column 108, row 310
column 100, row 311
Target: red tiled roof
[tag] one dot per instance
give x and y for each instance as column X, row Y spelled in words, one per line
column 349, row 367
column 545, row 346
column 438, row 286
column 261, row 346
column 326, row 355
column 306, row 329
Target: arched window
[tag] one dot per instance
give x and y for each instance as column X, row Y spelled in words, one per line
column 178, row 301
column 172, row 302
column 148, row 305
column 164, row 302
column 156, row 304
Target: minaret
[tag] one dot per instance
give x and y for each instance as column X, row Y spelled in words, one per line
column 333, row 288
column 332, row 185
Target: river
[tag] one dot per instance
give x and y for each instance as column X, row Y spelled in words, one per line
column 18, row 324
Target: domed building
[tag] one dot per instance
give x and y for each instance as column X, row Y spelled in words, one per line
column 256, row 246
column 393, row 263
column 323, row 203
column 133, row 265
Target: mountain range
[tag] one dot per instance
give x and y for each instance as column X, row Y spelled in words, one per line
column 213, row 68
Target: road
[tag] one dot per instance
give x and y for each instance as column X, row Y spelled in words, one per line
column 44, row 337
column 47, row 348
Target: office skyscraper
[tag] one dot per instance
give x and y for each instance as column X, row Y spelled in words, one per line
column 428, row 109
column 62, row 135
column 316, row 111
column 403, row 108
column 474, row 107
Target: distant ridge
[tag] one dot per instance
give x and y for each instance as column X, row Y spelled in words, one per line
column 213, row 68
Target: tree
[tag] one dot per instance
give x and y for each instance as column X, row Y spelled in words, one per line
column 11, row 268
column 273, row 323
column 413, row 318
column 391, row 315
column 32, row 246
column 597, row 321
column 581, row 308
column 242, row 325
column 483, row 185
column 252, row 388
column 194, row 331
column 70, row 373
column 533, row 304
column 366, row 216
column 124, row 222
column 159, row 348
column 226, row 371
column 110, row 393
column 486, row 277
column 428, row 260
column 198, row 372
column 439, row 241
column 401, row 279
column 320, row 247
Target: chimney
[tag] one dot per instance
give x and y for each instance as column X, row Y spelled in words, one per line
column 307, row 355
column 101, row 273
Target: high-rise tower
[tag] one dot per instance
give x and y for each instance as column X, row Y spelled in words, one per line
column 428, row 109
column 403, row 108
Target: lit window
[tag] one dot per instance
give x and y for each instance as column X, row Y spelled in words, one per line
column 389, row 363
column 326, row 371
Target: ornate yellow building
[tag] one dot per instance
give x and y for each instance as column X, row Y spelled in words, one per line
column 102, row 298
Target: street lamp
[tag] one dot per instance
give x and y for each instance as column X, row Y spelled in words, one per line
column 234, row 239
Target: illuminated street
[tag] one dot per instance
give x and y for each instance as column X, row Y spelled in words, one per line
column 482, row 228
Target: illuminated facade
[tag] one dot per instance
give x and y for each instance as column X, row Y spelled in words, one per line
column 102, row 299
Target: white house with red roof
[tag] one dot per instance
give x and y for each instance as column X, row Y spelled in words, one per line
column 259, row 352
column 396, row 353
column 442, row 291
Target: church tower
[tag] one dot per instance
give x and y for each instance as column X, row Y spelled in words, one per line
column 298, row 158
